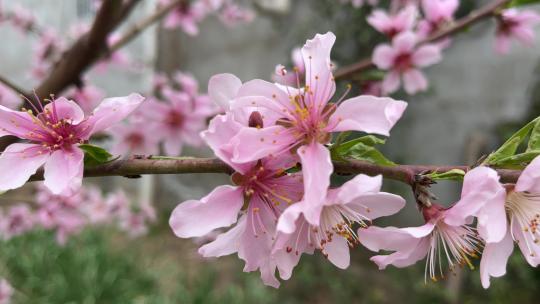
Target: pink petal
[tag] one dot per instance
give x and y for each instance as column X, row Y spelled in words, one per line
column 375, row 205
column 494, row 259
column 426, row 55
column 359, row 185
column 317, row 168
column 262, row 142
column 414, row 81
column 316, row 54
column 218, row 209
column 221, row 130
column 63, row 170
column 62, row 108
column 502, row 43
column 16, row 123
column 368, row 114
column 226, row 243
column 18, row 162
column 266, row 89
column 287, row 220
column 529, row 180
column 379, row 20
column 404, row 42
column 529, row 249
column 524, row 34
column 391, row 82
column 392, row 238
column 222, row 88
column 338, row 252
column 113, row 110
column 384, row 56
column 417, row 251
column 482, row 196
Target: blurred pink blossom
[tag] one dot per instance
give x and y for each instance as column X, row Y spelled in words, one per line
column 516, row 24
column 17, row 220
column 403, row 59
column 391, row 25
column 6, row 291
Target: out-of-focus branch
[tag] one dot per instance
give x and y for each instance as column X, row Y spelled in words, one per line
column 143, row 24
column 84, row 51
column 15, row 88
column 485, row 12
column 136, row 167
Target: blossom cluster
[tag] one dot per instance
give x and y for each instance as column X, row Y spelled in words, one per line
column 174, row 116
column 6, row 291
column 69, row 215
column 189, row 14
column 410, row 26
column 266, row 130
column 281, row 203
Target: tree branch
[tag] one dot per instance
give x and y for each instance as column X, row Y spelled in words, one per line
column 15, row 88
column 156, row 165
column 474, row 17
column 143, row 24
column 84, row 51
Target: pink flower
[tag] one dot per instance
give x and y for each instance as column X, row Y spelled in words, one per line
column 392, row 25
column 512, row 216
column 262, row 190
column 446, row 234
column 402, row 59
column 260, row 194
column 515, row 24
column 54, row 134
column 301, row 121
column 135, row 223
column 186, row 16
column 437, row 13
column 18, row 220
column 6, row 291
column 357, row 201
column 232, row 14
column 137, row 137
column 284, row 77
column 177, row 120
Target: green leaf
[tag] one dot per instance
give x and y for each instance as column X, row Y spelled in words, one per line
column 522, row 2
column 368, row 153
column 518, row 161
column 510, row 147
column 361, row 148
column 454, row 174
column 368, row 140
column 534, row 140
column 94, row 155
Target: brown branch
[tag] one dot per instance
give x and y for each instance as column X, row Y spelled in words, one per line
column 485, row 12
column 143, row 24
column 15, row 88
column 137, row 167
column 84, row 51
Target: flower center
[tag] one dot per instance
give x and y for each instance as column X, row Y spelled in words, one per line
column 175, row 119
column 457, row 244
column 403, row 62
column 135, row 140
column 523, row 208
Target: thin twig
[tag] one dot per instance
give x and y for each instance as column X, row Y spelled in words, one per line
column 137, row 167
column 15, row 88
column 485, row 12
